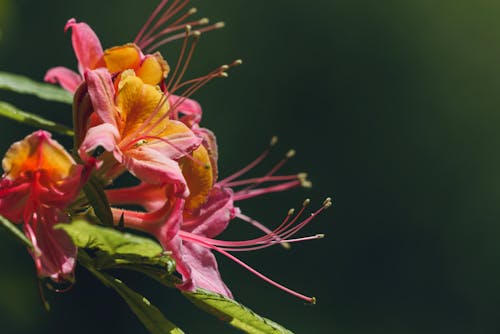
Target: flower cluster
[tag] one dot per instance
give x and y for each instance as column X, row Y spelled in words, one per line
column 134, row 114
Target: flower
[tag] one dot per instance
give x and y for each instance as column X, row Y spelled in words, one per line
column 189, row 227
column 151, row 68
column 40, row 180
column 133, row 126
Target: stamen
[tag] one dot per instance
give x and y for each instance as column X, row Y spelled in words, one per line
column 249, row 193
column 181, row 55
column 258, row 160
column 190, row 237
column 173, row 9
column 264, row 179
column 264, row 229
column 144, row 139
column 218, row 25
column 196, row 37
column 149, row 21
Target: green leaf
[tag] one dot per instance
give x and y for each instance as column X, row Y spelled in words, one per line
column 234, row 313
column 24, row 85
column 109, row 240
column 116, row 250
column 14, row 231
column 147, row 313
column 159, row 268
column 9, row 111
column 97, row 198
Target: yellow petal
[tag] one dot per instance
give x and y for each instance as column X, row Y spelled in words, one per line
column 120, row 58
column 37, row 152
column 153, row 69
column 199, row 177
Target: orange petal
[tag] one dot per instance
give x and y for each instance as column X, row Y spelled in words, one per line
column 199, row 177
column 37, row 152
column 153, row 69
column 121, row 58
column 139, row 103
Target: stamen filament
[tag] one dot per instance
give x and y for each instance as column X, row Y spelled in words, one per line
column 190, row 237
column 262, row 179
column 251, row 165
column 149, row 20
column 246, row 194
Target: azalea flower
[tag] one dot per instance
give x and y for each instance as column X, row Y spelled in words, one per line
column 134, row 128
column 40, row 180
column 189, row 227
column 172, row 23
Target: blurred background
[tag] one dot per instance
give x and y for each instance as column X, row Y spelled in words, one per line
column 394, row 110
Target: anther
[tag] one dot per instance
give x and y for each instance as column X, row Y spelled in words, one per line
column 305, row 183
column 302, row 176
column 274, row 141
column 219, row 25
column 306, row 202
column 192, row 11
column 291, row 212
column 320, row 236
column 237, row 62
column 290, row 154
column 204, row 20
column 196, row 34
column 327, row 203
column 313, row 300
column 223, row 74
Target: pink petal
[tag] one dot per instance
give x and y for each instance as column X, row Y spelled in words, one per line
column 86, row 44
column 150, row 196
column 176, row 145
column 55, row 253
column 102, row 92
column 65, row 77
column 13, row 199
column 199, row 269
column 189, row 108
column 104, row 135
column 151, row 166
column 213, row 217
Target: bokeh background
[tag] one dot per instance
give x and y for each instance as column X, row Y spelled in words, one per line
column 394, row 110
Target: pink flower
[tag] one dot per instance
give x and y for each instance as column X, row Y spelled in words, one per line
column 151, row 68
column 40, row 181
column 189, row 231
column 133, row 126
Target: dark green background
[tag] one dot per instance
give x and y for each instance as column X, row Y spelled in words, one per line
column 394, row 109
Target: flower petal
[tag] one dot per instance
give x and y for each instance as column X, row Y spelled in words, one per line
column 104, row 135
column 151, row 166
column 55, row 253
column 190, row 109
column 66, row 78
column 214, row 216
column 150, row 196
column 153, row 69
column 86, row 44
column 37, row 151
column 121, row 58
column 199, row 177
column 199, row 269
column 102, row 92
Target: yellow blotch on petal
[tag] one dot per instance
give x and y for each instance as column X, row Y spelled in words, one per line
column 139, row 103
column 37, row 152
column 153, row 69
column 121, row 58
column 199, row 177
